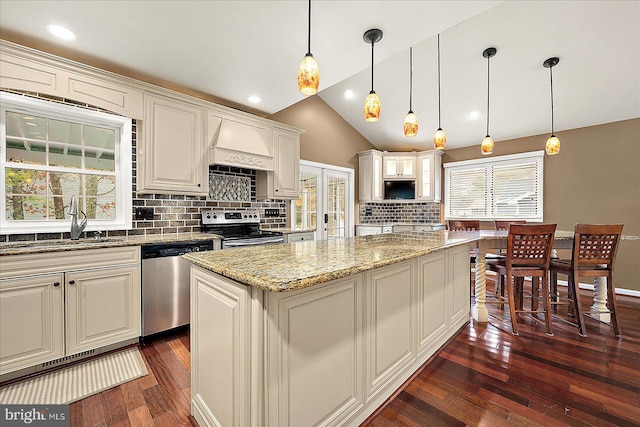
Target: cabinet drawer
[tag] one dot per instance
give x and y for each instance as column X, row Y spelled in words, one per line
column 48, row 262
column 298, row 237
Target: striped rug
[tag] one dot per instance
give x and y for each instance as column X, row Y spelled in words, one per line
column 76, row 382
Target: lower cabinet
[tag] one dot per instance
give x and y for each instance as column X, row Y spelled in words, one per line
column 44, row 317
column 325, row 355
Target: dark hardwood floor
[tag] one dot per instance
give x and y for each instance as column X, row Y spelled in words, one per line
column 484, row 377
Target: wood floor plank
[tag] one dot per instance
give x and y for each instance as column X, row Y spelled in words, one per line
column 155, row 402
column 132, row 394
column 177, row 369
column 181, row 352
column 140, row 416
column 93, row 411
column 114, row 400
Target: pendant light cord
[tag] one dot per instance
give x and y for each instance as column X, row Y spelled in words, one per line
column 309, row 33
column 439, row 112
column 551, row 76
column 411, row 79
column 488, row 59
column 372, row 43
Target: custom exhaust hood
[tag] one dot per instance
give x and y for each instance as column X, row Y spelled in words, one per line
column 244, row 145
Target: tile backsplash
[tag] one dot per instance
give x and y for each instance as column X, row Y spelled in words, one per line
column 235, row 189
column 375, row 213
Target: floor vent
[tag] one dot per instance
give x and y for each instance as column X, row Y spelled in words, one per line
column 67, row 359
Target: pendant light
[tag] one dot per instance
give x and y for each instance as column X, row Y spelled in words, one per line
column 440, row 138
column 411, row 120
column 553, row 143
column 486, row 147
column 308, row 73
column 372, row 103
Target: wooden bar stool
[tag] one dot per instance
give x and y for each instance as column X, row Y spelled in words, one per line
column 500, row 225
column 593, row 255
column 528, row 255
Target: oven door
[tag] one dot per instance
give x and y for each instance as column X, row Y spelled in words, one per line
column 236, row 243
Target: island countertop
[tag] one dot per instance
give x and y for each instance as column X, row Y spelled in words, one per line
column 288, row 267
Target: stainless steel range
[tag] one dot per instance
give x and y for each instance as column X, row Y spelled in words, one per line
column 238, row 228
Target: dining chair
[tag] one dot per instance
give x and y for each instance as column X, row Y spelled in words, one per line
column 593, row 255
column 528, row 255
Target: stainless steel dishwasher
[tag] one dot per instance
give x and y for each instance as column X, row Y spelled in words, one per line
column 165, row 284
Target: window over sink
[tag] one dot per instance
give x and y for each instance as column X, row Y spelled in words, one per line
column 53, row 151
column 503, row 187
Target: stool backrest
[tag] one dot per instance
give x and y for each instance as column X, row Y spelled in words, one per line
column 596, row 244
column 464, row 225
column 504, row 225
column 530, row 245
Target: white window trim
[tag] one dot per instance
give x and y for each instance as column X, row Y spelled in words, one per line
column 487, row 164
column 123, row 165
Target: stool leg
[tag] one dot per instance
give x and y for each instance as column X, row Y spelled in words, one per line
column 611, row 303
column 553, row 278
column 575, row 290
column 512, row 302
column 546, row 302
column 535, row 291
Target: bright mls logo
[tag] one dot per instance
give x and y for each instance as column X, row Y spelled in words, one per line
column 37, row 415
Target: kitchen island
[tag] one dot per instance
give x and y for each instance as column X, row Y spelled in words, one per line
column 320, row 333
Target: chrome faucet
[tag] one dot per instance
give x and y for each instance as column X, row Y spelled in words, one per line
column 76, row 228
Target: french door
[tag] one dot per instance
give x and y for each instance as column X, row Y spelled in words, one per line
column 326, row 200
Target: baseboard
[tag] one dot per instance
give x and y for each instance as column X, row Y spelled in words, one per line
column 619, row 291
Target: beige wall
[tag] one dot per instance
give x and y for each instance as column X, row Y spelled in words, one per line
column 328, row 138
column 594, row 179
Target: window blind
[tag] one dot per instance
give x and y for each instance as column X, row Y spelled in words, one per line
column 505, row 187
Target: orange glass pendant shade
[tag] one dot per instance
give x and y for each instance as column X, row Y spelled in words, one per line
column 486, row 147
column 411, row 124
column 440, row 140
column 553, row 145
column 308, row 75
column 372, row 107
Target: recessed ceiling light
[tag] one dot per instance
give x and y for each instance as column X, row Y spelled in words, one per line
column 254, row 99
column 349, row 94
column 474, row 115
column 61, row 32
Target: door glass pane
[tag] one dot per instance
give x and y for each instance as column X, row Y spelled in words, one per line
column 335, row 207
column 306, row 207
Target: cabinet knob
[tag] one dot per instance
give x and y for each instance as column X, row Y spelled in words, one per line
column 72, row 282
column 276, row 189
column 199, row 185
column 56, row 284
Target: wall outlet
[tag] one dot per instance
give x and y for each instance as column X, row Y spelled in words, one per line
column 142, row 214
column 271, row 213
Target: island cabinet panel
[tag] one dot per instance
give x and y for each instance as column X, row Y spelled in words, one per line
column 460, row 279
column 432, row 321
column 315, row 354
column 220, row 350
column 389, row 318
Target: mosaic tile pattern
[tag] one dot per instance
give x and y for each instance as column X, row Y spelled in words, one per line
column 408, row 213
column 229, row 188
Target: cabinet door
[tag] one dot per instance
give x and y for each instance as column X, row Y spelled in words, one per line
column 429, row 171
column 287, row 165
column 172, row 148
column 407, row 167
column 391, row 168
column 389, row 318
column 31, row 321
column 370, row 177
column 399, row 167
column 432, row 322
column 103, row 307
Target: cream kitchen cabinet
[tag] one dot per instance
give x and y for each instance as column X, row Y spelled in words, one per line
column 429, row 176
column 395, row 167
column 31, row 321
column 283, row 182
column 370, row 176
column 171, row 152
column 60, row 304
column 299, row 237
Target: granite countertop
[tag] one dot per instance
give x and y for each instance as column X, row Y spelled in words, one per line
column 39, row 246
column 288, row 267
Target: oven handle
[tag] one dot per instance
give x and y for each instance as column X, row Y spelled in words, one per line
column 260, row 242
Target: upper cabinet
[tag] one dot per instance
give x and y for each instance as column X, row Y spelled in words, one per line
column 399, row 166
column 424, row 169
column 428, row 184
column 370, row 176
column 283, row 182
column 171, row 153
column 23, row 69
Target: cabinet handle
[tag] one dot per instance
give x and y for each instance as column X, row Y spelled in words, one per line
column 199, row 185
column 72, row 282
column 56, row 284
